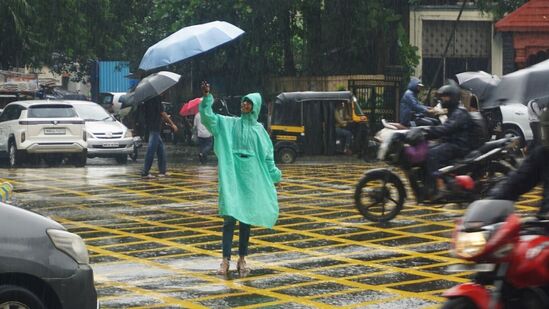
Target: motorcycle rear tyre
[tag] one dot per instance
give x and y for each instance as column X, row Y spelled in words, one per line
column 388, row 177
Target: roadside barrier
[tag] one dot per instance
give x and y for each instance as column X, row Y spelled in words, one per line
column 6, row 190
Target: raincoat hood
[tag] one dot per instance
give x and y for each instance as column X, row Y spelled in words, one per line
column 412, row 85
column 256, row 100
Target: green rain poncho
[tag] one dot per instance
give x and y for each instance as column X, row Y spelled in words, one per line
column 246, row 168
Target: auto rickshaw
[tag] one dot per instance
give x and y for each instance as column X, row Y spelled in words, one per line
column 304, row 123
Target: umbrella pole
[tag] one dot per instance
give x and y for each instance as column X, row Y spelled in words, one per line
column 445, row 51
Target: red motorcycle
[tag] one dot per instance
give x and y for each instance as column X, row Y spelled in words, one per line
column 509, row 255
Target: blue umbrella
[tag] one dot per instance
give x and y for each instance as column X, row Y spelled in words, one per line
column 187, row 42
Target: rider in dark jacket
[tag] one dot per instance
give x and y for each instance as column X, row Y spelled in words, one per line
column 409, row 103
column 533, row 171
column 454, row 135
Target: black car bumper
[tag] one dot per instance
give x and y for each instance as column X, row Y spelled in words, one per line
column 77, row 291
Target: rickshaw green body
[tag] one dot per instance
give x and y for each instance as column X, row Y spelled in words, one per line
column 304, row 122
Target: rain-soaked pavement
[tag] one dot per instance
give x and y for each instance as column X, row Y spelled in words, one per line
column 156, row 243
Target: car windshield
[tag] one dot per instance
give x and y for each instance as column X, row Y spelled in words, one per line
column 90, row 112
column 51, row 111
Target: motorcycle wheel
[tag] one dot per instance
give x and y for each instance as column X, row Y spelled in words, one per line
column 379, row 195
column 459, row 303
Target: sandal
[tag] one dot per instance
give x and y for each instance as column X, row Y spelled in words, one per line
column 242, row 268
column 224, row 267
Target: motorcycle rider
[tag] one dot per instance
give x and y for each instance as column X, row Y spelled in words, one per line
column 409, row 104
column 455, row 136
column 534, row 170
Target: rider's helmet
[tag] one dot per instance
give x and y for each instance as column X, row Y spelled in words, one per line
column 451, row 90
column 544, row 126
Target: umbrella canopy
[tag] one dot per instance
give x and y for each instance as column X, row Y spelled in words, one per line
column 521, row 86
column 479, row 83
column 151, row 86
column 190, row 108
column 187, row 42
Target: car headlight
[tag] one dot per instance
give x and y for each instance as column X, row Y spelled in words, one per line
column 128, row 134
column 89, row 135
column 470, row 244
column 71, row 244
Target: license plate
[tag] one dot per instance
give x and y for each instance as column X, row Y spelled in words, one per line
column 54, row 131
column 458, row 268
column 110, row 145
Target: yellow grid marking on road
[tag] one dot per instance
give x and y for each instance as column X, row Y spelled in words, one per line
column 312, row 195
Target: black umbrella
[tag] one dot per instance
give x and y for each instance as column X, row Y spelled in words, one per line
column 479, row 83
column 151, row 86
column 521, row 86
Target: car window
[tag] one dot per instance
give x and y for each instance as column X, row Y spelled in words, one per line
column 106, row 99
column 51, row 111
column 92, row 112
column 10, row 113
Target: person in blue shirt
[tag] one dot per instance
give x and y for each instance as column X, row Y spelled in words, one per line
column 409, row 104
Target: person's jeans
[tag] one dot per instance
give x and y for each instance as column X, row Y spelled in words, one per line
column 437, row 157
column 347, row 135
column 156, row 145
column 228, row 233
column 205, row 145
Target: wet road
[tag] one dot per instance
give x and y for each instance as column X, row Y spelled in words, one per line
column 157, row 243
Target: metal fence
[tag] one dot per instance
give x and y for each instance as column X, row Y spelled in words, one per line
column 379, row 99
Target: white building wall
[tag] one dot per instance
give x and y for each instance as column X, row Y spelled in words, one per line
column 419, row 14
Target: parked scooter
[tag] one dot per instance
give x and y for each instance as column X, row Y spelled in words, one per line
column 418, row 120
column 508, row 253
column 380, row 193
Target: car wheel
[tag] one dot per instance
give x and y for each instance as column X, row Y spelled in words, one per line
column 286, row 155
column 15, row 297
column 514, row 131
column 15, row 159
column 122, row 159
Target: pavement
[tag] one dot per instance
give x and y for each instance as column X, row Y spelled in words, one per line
column 157, row 243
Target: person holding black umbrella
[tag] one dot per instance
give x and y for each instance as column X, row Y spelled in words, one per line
column 154, row 115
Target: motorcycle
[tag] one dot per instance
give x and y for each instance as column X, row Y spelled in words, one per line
column 508, row 253
column 137, row 143
column 380, row 193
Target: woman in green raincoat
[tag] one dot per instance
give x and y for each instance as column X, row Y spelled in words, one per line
column 247, row 173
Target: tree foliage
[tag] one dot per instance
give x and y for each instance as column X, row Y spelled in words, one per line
column 283, row 37
column 499, row 8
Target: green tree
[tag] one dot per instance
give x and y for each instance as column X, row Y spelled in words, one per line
column 283, row 37
column 499, row 8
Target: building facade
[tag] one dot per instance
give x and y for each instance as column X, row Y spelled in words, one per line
column 474, row 46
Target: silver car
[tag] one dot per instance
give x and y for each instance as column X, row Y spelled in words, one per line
column 42, row 265
column 107, row 137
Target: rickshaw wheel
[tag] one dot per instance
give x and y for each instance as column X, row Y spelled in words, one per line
column 286, row 155
column 379, row 195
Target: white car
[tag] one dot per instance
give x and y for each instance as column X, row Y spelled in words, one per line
column 515, row 121
column 48, row 129
column 107, row 137
column 111, row 101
